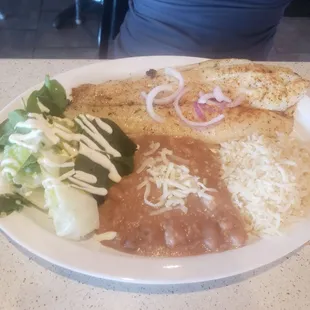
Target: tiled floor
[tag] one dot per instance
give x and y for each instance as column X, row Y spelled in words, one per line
column 28, row 33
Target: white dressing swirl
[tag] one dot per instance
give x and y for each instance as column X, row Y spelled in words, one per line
column 49, row 163
column 30, row 140
column 9, row 161
column 42, row 107
column 100, row 123
column 86, row 177
column 101, row 160
column 88, row 188
column 91, row 130
column 54, row 131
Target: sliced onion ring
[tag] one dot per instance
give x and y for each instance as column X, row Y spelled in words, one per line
column 219, row 96
column 150, row 101
column 176, row 74
column 199, row 111
column 213, row 108
column 169, row 99
column 203, row 99
column 191, row 123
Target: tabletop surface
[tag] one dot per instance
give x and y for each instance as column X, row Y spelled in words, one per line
column 28, row 282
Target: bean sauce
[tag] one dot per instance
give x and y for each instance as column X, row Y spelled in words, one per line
column 203, row 229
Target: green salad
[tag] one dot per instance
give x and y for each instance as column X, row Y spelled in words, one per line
column 59, row 164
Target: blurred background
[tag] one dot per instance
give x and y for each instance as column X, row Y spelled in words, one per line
column 51, row 29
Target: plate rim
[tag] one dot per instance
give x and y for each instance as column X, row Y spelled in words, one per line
column 156, row 270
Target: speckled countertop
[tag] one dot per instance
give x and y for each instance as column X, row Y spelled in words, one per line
column 28, row 282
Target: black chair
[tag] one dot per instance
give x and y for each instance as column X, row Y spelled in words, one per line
column 298, row 8
column 114, row 12
column 112, row 15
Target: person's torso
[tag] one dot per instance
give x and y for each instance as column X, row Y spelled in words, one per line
column 199, row 27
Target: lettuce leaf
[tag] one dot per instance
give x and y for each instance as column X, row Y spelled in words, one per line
column 29, row 175
column 17, row 116
column 8, row 126
column 6, row 129
column 12, row 202
column 74, row 212
column 52, row 95
column 19, row 154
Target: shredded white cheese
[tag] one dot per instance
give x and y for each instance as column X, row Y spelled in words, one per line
column 154, row 147
column 107, row 236
column 174, row 181
column 269, row 180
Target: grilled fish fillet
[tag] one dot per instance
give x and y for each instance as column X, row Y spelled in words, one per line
column 271, row 95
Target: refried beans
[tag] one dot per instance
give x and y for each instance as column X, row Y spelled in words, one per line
column 203, row 229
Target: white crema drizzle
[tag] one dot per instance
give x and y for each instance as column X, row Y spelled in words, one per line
column 52, row 133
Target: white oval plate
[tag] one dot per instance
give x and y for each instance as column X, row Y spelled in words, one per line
column 34, row 231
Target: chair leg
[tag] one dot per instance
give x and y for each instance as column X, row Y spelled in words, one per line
column 78, row 20
column 73, row 13
column 2, row 16
column 114, row 12
column 104, row 35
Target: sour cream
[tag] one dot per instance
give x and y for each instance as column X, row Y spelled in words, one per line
column 93, row 146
